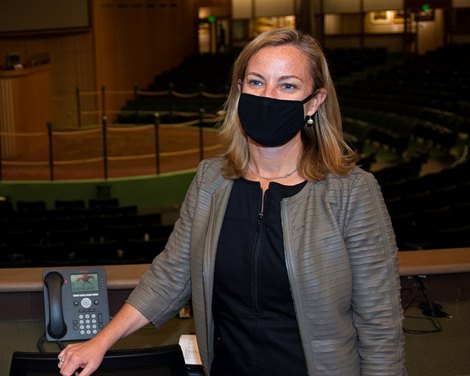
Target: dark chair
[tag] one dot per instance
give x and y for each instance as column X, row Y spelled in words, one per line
column 452, row 237
column 395, row 205
column 51, row 255
column 460, row 214
column 70, row 204
column 97, row 223
column 444, row 195
column 462, row 193
column 429, row 220
column 31, row 205
column 96, row 252
column 417, row 200
column 68, row 236
column 159, row 231
column 103, row 202
column 144, row 249
column 11, row 258
column 157, row 361
column 122, row 260
column 60, row 213
column 129, row 210
column 149, row 218
column 394, row 189
column 25, row 222
column 19, row 237
column 124, row 232
column 404, row 226
column 6, row 207
column 67, row 222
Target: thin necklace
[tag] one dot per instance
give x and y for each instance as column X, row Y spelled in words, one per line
column 273, row 178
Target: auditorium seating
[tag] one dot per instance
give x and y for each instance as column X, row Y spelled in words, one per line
column 417, row 111
column 344, row 62
column 425, row 97
column 99, row 232
column 70, row 204
column 414, row 110
column 202, row 82
column 431, row 211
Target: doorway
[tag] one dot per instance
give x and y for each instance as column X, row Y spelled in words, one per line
column 213, row 36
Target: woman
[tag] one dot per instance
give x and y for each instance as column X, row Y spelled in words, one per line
column 284, row 246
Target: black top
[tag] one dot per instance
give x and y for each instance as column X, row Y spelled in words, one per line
column 256, row 331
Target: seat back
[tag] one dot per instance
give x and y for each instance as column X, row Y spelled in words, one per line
column 156, row 361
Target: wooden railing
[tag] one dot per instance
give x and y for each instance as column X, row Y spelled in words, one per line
column 134, row 149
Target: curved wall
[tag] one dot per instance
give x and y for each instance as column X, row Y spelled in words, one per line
column 165, row 191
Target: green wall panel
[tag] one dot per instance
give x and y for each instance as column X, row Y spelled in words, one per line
column 155, row 192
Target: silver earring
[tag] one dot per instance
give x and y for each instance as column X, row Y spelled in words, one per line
column 309, row 120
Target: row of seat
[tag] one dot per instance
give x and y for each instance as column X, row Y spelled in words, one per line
column 417, row 110
column 394, row 131
column 143, row 108
column 74, row 233
column 434, row 228
column 430, row 211
column 8, row 206
column 113, row 244
column 197, row 72
column 32, row 232
column 84, row 252
column 431, row 88
column 446, row 186
column 344, row 62
column 187, row 84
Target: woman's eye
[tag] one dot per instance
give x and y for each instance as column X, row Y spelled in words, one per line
column 255, row 83
column 287, row 86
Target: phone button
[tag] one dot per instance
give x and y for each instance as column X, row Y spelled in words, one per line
column 86, row 302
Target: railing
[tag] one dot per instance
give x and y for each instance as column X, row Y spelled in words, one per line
column 110, row 150
column 94, row 105
column 86, row 150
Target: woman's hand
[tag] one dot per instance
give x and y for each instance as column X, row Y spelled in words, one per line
column 86, row 355
column 89, row 355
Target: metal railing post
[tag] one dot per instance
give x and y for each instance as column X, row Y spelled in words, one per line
column 79, row 107
column 156, row 123
column 103, row 101
column 105, row 147
column 51, row 151
column 172, row 98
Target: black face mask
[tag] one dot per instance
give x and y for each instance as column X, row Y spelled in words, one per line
column 271, row 122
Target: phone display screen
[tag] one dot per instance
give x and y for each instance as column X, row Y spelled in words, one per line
column 84, row 283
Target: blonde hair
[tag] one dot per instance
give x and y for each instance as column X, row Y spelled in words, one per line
column 325, row 149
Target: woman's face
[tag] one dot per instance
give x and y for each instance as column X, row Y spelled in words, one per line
column 281, row 72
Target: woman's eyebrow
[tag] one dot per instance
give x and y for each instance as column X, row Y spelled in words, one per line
column 288, row 77
column 285, row 77
column 254, row 74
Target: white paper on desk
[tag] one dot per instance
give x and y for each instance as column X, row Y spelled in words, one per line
column 190, row 349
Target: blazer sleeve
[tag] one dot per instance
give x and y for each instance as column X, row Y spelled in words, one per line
column 166, row 286
column 376, row 305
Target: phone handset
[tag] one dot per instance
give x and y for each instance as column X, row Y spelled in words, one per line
column 57, row 327
column 75, row 303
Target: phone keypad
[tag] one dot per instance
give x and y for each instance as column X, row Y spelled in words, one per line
column 88, row 323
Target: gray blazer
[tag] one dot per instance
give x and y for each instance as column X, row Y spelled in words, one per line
column 341, row 260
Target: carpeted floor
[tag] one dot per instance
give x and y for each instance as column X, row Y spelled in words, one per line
column 443, row 353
